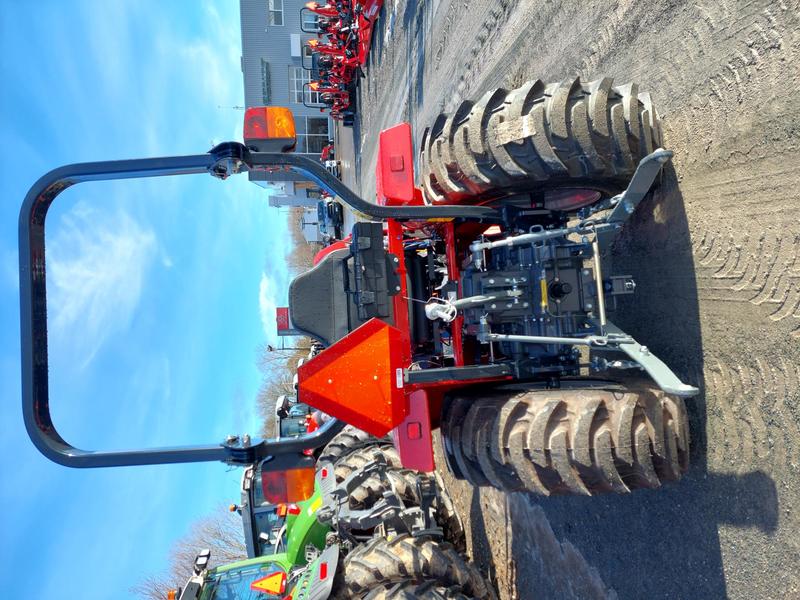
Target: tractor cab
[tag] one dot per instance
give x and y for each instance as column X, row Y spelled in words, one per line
column 263, row 577
column 291, row 417
column 259, row 517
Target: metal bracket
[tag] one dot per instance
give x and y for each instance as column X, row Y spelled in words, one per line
column 661, row 374
column 625, row 203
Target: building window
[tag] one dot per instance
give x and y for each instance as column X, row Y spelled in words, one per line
column 275, row 12
column 265, row 82
column 312, row 135
column 297, row 92
column 310, row 21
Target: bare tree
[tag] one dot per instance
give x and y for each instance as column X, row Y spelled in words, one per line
column 301, row 255
column 278, row 367
column 220, row 532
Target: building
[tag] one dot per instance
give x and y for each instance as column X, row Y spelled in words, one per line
column 274, row 61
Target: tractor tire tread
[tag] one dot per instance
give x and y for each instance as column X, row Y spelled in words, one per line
column 588, row 134
column 571, row 441
column 346, row 441
column 406, row 559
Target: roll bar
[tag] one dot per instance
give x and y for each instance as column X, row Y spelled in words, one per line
column 221, row 161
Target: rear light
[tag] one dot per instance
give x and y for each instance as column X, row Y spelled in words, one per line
column 323, row 570
column 269, row 129
column 293, row 509
column 294, row 485
column 287, row 479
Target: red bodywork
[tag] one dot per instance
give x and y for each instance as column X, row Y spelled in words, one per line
column 359, row 379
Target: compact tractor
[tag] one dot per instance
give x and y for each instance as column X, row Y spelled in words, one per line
column 478, row 303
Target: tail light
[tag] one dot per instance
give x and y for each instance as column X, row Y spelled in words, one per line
column 269, row 129
column 287, row 509
column 287, row 479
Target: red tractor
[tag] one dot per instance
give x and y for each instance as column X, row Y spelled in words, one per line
column 478, row 303
column 348, row 29
column 492, row 321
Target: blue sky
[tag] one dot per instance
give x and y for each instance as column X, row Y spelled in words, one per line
column 159, row 290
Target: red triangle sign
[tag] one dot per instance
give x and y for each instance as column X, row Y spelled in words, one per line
column 359, row 379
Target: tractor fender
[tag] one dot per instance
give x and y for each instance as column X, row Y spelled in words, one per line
column 412, row 437
column 317, row 581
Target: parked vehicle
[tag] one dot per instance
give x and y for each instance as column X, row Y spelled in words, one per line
column 330, row 217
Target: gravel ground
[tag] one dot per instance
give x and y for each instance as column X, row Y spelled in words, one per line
column 715, row 255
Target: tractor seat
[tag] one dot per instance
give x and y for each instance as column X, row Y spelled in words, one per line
column 318, row 303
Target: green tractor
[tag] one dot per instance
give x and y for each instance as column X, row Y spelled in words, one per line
column 369, row 531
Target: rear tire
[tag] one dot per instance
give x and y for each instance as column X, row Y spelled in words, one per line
column 348, row 440
column 413, row 591
column 569, row 134
column 585, row 441
column 358, row 459
column 404, row 483
column 406, row 559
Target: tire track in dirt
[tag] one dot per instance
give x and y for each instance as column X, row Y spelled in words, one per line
column 762, row 268
column 750, row 419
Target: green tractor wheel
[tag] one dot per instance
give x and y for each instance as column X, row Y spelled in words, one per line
column 404, row 483
column 347, row 441
column 407, row 560
column 416, row 591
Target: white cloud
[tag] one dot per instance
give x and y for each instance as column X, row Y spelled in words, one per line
column 96, row 268
column 267, row 306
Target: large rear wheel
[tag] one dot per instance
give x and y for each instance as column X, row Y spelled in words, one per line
column 407, row 560
column 349, row 440
column 539, row 136
column 567, row 441
column 404, row 483
column 358, row 459
column 414, row 591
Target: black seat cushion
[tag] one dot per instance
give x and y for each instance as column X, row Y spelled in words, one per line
column 318, row 303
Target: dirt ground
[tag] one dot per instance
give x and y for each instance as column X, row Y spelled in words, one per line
column 716, row 255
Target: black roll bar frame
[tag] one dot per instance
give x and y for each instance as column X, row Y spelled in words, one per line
column 221, row 161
